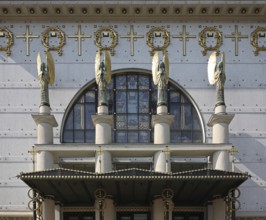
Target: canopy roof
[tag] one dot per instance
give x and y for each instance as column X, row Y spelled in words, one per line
column 133, row 186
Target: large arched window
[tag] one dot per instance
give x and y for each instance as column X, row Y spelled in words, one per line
column 132, row 102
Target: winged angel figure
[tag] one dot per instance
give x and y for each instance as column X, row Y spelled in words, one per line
column 46, row 76
column 102, row 76
column 160, row 75
column 216, row 76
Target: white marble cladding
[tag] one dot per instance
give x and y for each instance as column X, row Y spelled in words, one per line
column 245, row 91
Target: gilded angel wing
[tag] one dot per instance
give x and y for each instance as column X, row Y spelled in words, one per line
column 166, row 64
column 155, row 70
column 107, row 61
column 97, row 66
column 50, row 67
column 39, row 64
column 211, row 67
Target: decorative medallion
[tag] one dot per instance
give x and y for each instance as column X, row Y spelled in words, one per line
column 111, row 37
column 4, row 32
column 160, row 33
column 259, row 32
column 54, row 32
column 210, row 32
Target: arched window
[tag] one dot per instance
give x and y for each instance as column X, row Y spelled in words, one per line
column 132, row 102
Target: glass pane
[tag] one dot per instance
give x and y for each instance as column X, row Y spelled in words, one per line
column 88, row 218
column 140, row 217
column 196, row 124
column 144, row 82
column 90, row 96
column 176, row 111
column 144, row 122
column 121, row 137
column 81, row 100
column 121, row 102
column 186, row 136
column 121, row 122
column 133, row 137
column 125, row 218
column 79, row 116
column 90, row 136
column 132, row 82
column 68, row 136
column 120, row 82
column 174, row 96
column 132, row 102
column 175, row 136
column 79, row 136
column 69, row 122
column 184, row 99
column 143, row 102
column 186, row 120
column 90, row 110
column 144, row 137
column 132, row 122
column 197, row 137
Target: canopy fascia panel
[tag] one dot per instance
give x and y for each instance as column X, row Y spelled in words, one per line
column 133, row 186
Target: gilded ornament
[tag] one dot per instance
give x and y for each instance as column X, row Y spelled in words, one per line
column 254, row 39
column 4, row 32
column 158, row 31
column 218, row 36
column 111, row 33
column 55, row 32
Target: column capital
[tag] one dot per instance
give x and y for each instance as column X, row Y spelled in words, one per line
column 220, row 118
column 99, row 119
column 156, row 119
column 48, row 119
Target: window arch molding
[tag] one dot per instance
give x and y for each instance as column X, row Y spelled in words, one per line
column 126, row 71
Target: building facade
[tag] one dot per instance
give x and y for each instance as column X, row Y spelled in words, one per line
column 131, row 149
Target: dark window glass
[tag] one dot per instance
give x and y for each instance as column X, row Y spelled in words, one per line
column 132, row 102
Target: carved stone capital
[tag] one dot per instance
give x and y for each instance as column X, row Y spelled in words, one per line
column 99, row 119
column 220, row 118
column 156, row 119
column 48, row 119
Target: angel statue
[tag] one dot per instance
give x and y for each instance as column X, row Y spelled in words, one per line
column 160, row 75
column 46, row 76
column 102, row 76
column 216, row 75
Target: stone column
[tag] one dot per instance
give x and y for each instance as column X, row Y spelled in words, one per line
column 106, row 208
column 45, row 123
column 48, row 212
column 219, row 209
column 103, row 135
column 57, row 211
column 220, row 121
column 210, row 211
column 161, row 123
column 158, row 209
column 44, row 159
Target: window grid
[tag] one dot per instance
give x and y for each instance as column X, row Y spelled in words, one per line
column 129, row 123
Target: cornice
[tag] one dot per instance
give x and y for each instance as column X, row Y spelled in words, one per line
column 125, row 10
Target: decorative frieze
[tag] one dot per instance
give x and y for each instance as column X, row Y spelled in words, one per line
column 210, row 38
